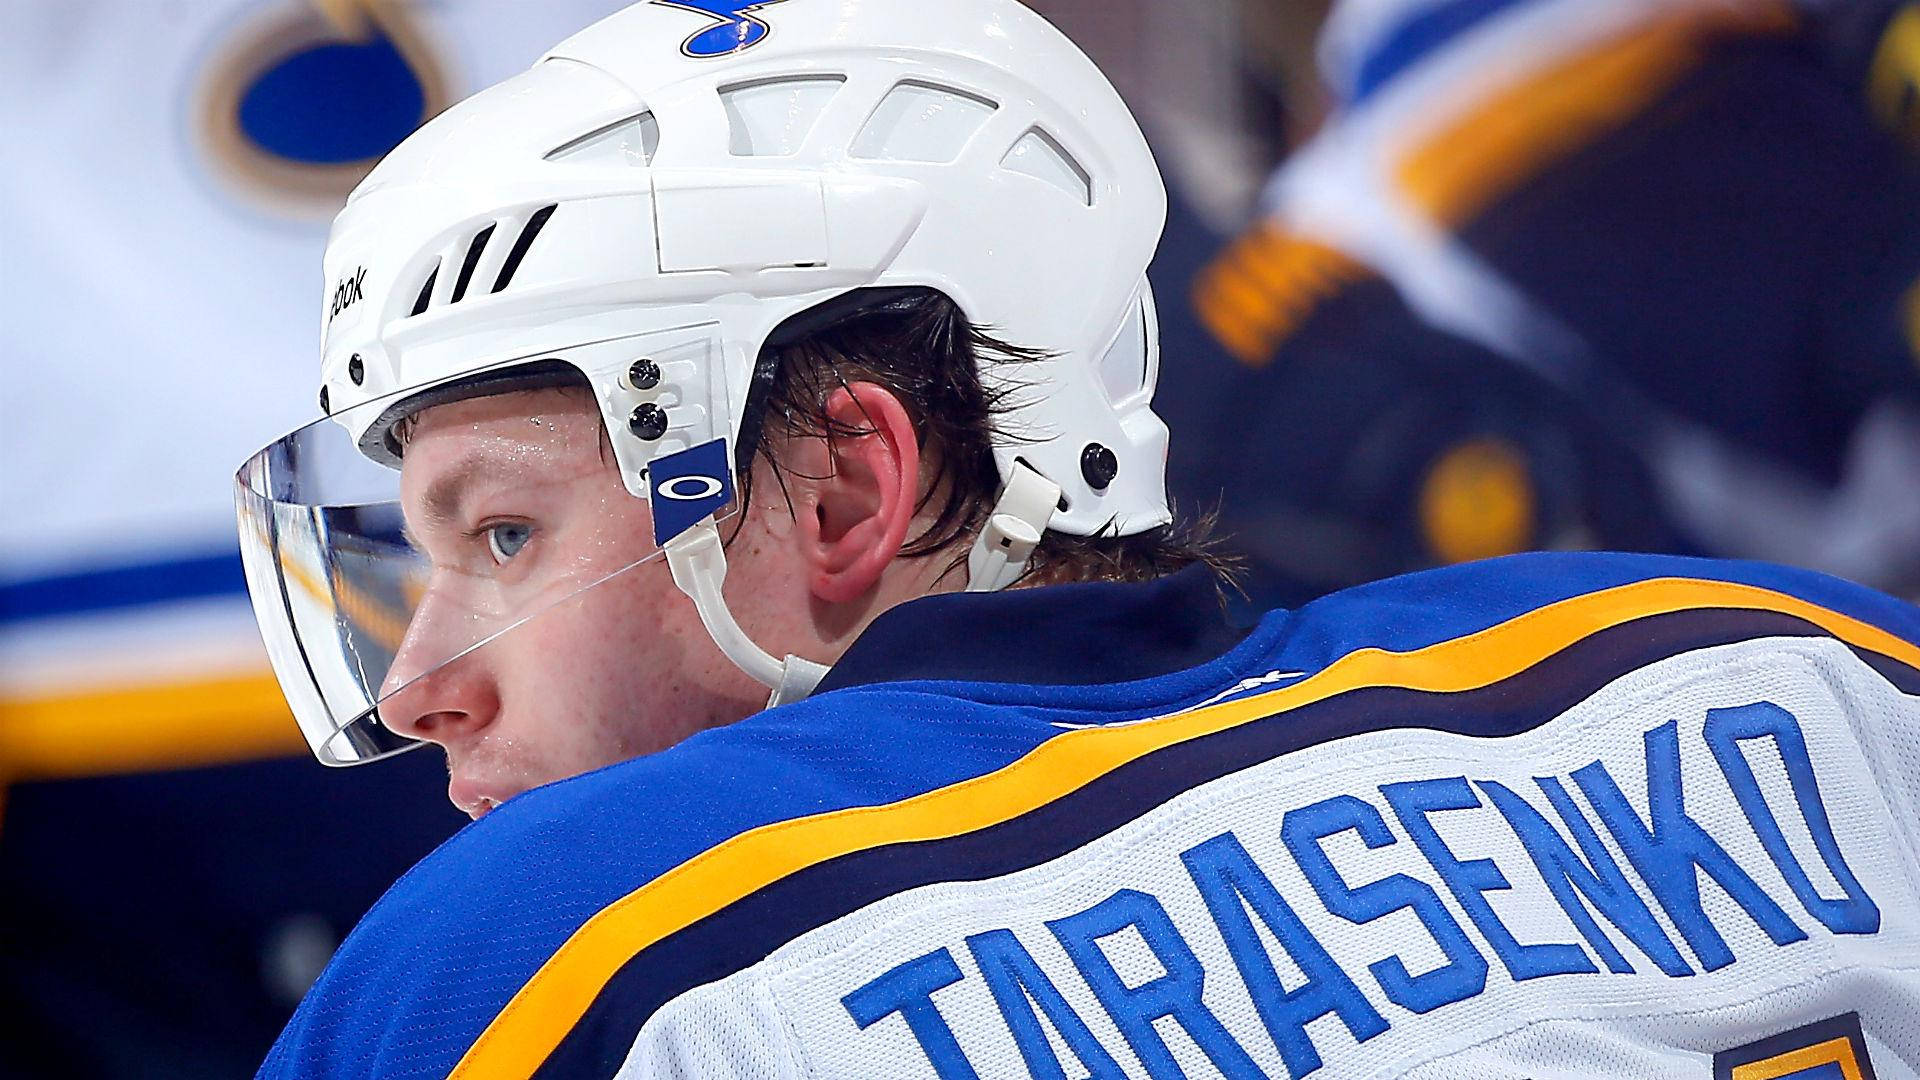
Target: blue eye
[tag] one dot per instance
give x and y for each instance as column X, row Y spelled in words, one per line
column 505, row 540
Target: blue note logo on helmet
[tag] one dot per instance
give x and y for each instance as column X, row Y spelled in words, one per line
column 738, row 28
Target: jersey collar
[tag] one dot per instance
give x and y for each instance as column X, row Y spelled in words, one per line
column 1056, row 635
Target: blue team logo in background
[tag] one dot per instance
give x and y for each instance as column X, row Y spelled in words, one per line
column 737, row 29
column 687, row 485
column 296, row 102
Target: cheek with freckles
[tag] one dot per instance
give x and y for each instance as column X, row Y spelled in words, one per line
column 617, row 672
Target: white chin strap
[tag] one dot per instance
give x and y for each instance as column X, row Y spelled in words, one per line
column 998, row 558
column 1000, row 553
column 699, row 566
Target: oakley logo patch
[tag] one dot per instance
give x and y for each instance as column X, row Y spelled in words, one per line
column 686, row 486
column 690, row 488
column 737, row 29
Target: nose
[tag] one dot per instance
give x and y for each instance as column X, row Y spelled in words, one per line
column 428, row 696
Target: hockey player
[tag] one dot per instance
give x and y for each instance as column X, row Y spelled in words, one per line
column 1621, row 273
column 847, row 298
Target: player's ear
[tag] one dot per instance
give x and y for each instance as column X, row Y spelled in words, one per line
column 858, row 490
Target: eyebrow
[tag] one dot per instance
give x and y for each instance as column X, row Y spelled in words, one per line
column 443, row 498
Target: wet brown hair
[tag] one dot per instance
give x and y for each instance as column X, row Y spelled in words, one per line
column 918, row 344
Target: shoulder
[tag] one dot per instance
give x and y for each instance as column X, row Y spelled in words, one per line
column 1548, row 629
column 1468, row 595
column 443, row 953
column 1583, row 591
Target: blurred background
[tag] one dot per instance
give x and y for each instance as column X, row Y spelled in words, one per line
column 1442, row 280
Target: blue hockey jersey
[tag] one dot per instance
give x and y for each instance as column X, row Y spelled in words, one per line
column 1546, row 816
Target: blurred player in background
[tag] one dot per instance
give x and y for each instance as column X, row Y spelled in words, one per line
column 805, row 349
column 1582, row 274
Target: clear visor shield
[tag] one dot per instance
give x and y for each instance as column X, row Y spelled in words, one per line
column 372, row 580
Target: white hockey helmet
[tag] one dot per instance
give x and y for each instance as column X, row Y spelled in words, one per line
column 648, row 205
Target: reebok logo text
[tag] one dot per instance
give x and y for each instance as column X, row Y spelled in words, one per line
column 347, row 292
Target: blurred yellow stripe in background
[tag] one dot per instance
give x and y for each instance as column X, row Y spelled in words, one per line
column 146, row 728
column 1513, row 136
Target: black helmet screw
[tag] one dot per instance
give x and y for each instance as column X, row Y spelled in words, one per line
column 326, row 404
column 644, row 374
column 649, row 421
column 356, row 369
column 1098, row 466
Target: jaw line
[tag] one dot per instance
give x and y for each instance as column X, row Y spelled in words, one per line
column 698, row 563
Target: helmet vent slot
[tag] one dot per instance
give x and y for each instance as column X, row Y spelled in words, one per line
column 522, row 243
column 479, row 261
column 628, row 143
column 474, row 251
column 1038, row 155
column 772, row 117
column 919, row 121
column 426, row 290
